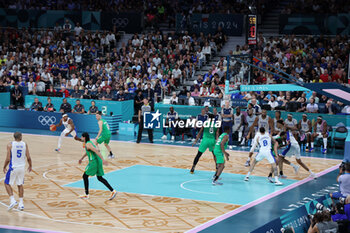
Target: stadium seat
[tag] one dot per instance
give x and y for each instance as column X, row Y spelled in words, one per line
column 339, row 137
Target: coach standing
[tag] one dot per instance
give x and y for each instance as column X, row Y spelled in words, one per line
column 146, row 107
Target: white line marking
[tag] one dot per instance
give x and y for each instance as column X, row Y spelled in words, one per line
column 191, row 190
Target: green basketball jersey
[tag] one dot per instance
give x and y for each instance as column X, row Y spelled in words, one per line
column 209, row 132
column 217, row 148
column 105, row 128
column 91, row 155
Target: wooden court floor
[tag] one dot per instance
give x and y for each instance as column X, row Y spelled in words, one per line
column 50, row 206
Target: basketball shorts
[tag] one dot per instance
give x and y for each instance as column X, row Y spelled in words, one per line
column 15, row 176
column 292, row 149
column 219, row 157
column 73, row 133
column 104, row 139
column 95, row 167
column 207, row 143
column 319, row 135
column 265, row 154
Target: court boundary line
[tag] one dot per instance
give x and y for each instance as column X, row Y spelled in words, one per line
column 148, row 143
column 28, row 229
column 258, row 201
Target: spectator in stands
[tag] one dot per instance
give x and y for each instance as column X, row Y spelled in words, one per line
column 36, row 105
column 2, row 86
column 65, row 107
column 314, row 96
column 189, row 99
column 86, row 94
column 343, row 179
column 108, row 95
column 49, row 106
column 121, row 96
column 51, row 91
column 303, row 104
column 195, row 93
column 312, row 107
column 64, row 92
column 93, row 108
column 273, row 103
column 99, row 94
column 174, row 99
column 31, row 87
column 78, row 108
column 76, row 94
column 17, row 96
column 149, row 94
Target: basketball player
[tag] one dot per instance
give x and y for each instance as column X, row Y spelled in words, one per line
column 265, row 141
column 292, row 149
column 69, row 128
column 104, row 134
column 277, row 118
column 250, row 119
column 219, row 152
column 320, row 131
column 210, row 134
column 226, row 115
column 238, row 119
column 305, row 129
column 200, row 117
column 292, row 125
column 95, row 167
column 171, row 116
column 261, row 121
column 17, row 153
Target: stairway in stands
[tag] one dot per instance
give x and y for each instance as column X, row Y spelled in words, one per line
column 270, row 21
column 231, row 44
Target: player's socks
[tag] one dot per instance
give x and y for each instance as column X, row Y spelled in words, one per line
column 13, row 203
column 312, row 144
column 325, row 143
column 277, row 182
column 247, row 163
column 20, row 205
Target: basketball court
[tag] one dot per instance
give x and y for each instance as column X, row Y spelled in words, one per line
column 156, row 191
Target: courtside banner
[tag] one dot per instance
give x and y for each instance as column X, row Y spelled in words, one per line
column 273, row 87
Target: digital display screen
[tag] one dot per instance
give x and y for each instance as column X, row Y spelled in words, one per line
column 251, row 29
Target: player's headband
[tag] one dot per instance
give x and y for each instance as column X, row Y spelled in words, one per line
column 319, row 118
column 304, row 115
column 290, row 115
column 64, row 115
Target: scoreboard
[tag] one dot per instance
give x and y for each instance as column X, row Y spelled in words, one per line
column 252, row 29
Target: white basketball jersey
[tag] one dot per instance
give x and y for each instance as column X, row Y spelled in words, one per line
column 304, row 125
column 66, row 124
column 291, row 123
column 264, row 142
column 18, row 154
column 250, row 119
column 319, row 127
column 264, row 123
column 238, row 119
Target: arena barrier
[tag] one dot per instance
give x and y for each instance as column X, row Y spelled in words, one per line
column 42, row 120
column 123, row 108
column 273, row 87
column 5, row 100
column 298, row 218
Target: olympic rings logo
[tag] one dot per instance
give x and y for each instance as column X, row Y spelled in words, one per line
column 120, row 22
column 46, row 120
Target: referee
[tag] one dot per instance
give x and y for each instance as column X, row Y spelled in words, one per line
column 145, row 108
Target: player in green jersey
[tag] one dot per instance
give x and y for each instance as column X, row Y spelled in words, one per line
column 210, row 134
column 104, row 134
column 219, row 152
column 95, row 167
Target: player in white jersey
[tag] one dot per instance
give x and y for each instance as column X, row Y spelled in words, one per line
column 305, row 129
column 277, row 118
column 69, row 128
column 265, row 141
column 17, row 154
column 320, row 131
column 292, row 125
column 238, row 120
column 249, row 119
column 292, row 149
column 262, row 121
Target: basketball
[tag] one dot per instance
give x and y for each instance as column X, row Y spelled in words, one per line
column 53, row 127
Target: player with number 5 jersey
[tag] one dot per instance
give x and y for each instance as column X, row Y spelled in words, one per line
column 104, row 134
column 17, row 154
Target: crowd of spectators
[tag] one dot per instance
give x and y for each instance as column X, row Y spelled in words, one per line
column 317, row 7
